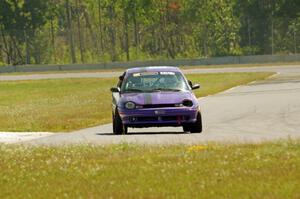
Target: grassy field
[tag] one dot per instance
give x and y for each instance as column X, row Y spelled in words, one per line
column 126, row 171
column 62, row 105
column 244, row 65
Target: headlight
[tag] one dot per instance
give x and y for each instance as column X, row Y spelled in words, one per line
column 188, row 103
column 178, row 105
column 130, row 105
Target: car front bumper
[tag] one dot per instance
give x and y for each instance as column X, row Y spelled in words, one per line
column 158, row 116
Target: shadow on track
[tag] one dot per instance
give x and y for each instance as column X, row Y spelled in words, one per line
column 143, row 133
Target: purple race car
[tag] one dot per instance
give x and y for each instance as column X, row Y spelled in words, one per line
column 155, row 97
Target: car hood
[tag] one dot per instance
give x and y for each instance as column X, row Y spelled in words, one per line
column 157, row 97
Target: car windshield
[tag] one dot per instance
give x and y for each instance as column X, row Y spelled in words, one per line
column 154, row 82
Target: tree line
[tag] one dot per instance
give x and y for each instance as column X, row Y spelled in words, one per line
column 86, row 31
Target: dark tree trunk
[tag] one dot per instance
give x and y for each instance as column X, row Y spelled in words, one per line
column 295, row 42
column 70, row 33
column 136, row 32
column 37, row 54
column 89, row 26
column 17, row 57
column 2, row 50
column 27, row 48
column 100, row 26
column 81, row 48
column 249, row 31
column 126, row 37
column 112, row 32
column 6, row 48
column 52, row 38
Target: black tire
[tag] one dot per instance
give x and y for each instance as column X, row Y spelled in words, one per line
column 118, row 127
column 186, row 128
column 197, row 126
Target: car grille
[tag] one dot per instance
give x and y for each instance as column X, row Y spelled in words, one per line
column 158, row 105
column 160, row 118
column 146, row 119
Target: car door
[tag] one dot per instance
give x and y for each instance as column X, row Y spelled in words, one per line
column 116, row 95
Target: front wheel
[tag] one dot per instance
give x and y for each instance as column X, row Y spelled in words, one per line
column 195, row 127
column 118, row 126
column 186, row 128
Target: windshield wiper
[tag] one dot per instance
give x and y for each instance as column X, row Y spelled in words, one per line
column 166, row 89
column 133, row 90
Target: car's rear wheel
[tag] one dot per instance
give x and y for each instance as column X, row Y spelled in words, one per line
column 195, row 127
column 118, row 126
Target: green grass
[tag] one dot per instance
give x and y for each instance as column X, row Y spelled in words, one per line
column 215, row 83
column 296, row 63
column 126, row 171
column 62, row 105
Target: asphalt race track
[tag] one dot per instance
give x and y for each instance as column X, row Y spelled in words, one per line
column 257, row 112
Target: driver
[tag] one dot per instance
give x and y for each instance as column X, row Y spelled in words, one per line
column 135, row 83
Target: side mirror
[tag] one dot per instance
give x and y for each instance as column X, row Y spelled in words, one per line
column 121, row 78
column 190, row 83
column 196, row 86
column 115, row 89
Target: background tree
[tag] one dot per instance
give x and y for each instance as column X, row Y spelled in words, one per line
column 88, row 31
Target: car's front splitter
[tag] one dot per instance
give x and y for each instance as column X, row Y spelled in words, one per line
column 158, row 117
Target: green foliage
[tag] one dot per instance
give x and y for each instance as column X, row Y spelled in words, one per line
column 35, row 31
column 269, row 26
column 20, row 21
